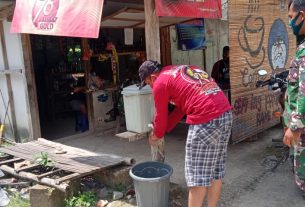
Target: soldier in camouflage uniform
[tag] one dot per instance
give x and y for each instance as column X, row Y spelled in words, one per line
column 294, row 114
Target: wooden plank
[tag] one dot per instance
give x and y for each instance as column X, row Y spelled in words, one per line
column 11, row 72
column 68, row 177
column 9, row 84
column 75, row 160
column 32, row 103
column 166, row 58
column 10, row 183
column 49, row 173
column 87, row 68
column 64, row 164
column 152, row 35
column 138, row 24
column 125, row 19
column 5, row 157
column 81, row 152
column 27, row 168
column 113, row 14
column 98, row 158
column 49, row 182
column 10, row 161
column 131, row 136
column 7, row 11
column 26, row 149
column 140, row 2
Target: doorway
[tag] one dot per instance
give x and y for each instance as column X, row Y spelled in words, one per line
column 59, row 75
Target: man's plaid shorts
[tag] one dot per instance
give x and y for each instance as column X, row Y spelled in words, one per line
column 206, row 151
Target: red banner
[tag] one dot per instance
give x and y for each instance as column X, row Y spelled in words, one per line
column 210, row 9
column 76, row 18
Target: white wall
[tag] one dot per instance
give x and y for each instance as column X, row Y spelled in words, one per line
column 217, row 36
column 19, row 89
column 179, row 57
column 225, row 5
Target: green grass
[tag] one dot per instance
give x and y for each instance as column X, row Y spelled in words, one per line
column 120, row 187
column 85, row 199
column 17, row 201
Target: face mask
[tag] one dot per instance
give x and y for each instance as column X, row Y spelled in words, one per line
column 296, row 28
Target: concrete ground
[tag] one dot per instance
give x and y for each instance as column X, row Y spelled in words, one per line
column 247, row 182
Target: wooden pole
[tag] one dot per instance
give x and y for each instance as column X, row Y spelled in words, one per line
column 89, row 99
column 153, row 51
column 152, row 33
column 32, row 104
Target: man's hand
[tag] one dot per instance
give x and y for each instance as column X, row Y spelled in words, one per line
column 153, row 140
column 291, row 137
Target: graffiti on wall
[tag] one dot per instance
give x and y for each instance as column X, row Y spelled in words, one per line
column 283, row 5
column 252, row 28
column 264, row 106
column 253, row 6
column 255, row 52
column 278, row 45
column 260, row 40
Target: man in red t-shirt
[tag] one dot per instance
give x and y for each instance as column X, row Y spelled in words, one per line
column 209, row 115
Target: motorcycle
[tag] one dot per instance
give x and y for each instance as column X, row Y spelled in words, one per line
column 279, row 82
column 118, row 105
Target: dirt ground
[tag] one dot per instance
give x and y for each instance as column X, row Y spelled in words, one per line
column 247, row 182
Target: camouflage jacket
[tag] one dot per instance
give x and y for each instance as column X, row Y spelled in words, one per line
column 294, row 115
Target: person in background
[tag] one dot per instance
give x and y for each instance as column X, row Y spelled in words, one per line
column 78, row 104
column 79, row 98
column 209, row 115
column 221, row 70
column 294, row 114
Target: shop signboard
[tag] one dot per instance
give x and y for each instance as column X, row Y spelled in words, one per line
column 211, row 9
column 76, row 18
column 191, row 36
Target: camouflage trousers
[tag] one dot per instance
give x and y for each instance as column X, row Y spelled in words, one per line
column 299, row 163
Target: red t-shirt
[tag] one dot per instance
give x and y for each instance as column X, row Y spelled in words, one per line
column 193, row 93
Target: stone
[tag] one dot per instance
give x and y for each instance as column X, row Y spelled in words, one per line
column 117, row 195
column 45, row 196
column 4, row 199
column 130, row 192
column 13, row 190
column 119, row 204
column 102, row 203
column 115, row 176
column 24, row 190
column 133, row 201
column 24, row 193
column 2, row 173
column 103, row 193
